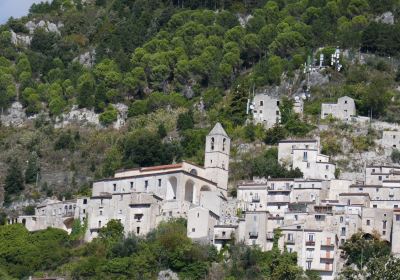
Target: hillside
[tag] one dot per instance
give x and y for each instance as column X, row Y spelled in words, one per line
column 88, row 87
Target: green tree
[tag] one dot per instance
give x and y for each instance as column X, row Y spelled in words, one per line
column 32, row 170
column 14, row 180
column 185, row 121
column 112, row 232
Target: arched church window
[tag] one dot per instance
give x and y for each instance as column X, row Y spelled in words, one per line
column 212, row 143
column 223, row 144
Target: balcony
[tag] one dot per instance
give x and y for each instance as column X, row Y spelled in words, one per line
column 255, row 199
column 310, row 243
column 270, row 235
column 271, row 199
column 327, row 243
column 253, row 234
column 289, row 242
column 220, row 236
column 327, row 257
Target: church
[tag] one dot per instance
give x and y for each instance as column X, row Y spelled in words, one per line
column 140, row 198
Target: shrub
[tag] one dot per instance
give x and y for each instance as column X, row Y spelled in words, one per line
column 109, row 116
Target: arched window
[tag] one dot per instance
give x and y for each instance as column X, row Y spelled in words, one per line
column 212, row 143
column 223, row 144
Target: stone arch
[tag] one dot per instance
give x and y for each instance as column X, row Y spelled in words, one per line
column 189, row 191
column 172, row 184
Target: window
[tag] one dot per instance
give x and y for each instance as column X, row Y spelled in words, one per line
column 296, row 217
column 397, row 218
column 101, row 201
column 159, row 182
column 384, row 232
column 308, row 165
column 115, row 187
column 380, row 178
column 85, row 201
column 375, row 206
column 309, row 265
column 277, row 112
column 99, row 224
column 345, row 102
column 261, row 103
column 341, row 219
column 279, row 207
column 373, row 170
column 310, row 253
column 137, row 230
column 146, row 185
column 384, row 225
column 198, row 214
column 138, row 217
column 396, row 206
column 290, row 237
column 304, row 156
column 343, row 231
column 277, row 103
column 368, row 222
column 170, row 213
column 131, row 185
column 299, row 185
column 101, row 213
column 223, row 233
column 394, row 136
column 212, row 143
column 193, row 229
column 327, row 167
column 311, row 237
column 84, row 211
column 223, row 144
column 360, row 189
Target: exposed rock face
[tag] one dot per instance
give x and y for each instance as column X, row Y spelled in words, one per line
column 386, row 17
column 15, row 115
column 243, row 20
column 87, row 59
column 79, row 117
column 20, row 39
column 122, row 115
column 46, row 25
column 167, row 275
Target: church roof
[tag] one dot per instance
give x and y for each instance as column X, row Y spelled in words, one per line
column 218, row 130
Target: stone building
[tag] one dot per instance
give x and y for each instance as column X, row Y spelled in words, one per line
column 344, row 109
column 266, row 110
column 390, row 139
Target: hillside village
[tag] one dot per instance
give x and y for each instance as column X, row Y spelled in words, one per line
column 315, row 214
column 216, row 140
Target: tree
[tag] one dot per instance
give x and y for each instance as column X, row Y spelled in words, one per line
column 185, row 121
column 112, row 232
column 109, row 116
column 361, row 248
column 14, row 181
column 32, row 170
column 395, row 156
column 86, row 90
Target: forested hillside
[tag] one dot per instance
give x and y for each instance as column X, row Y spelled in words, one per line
column 179, row 66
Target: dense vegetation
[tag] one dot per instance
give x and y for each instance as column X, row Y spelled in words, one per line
column 113, row 256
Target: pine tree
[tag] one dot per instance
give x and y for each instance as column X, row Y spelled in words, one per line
column 14, row 181
column 32, row 169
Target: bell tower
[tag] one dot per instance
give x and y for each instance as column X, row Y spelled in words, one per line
column 216, row 160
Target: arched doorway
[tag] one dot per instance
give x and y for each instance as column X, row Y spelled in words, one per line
column 171, row 188
column 189, row 190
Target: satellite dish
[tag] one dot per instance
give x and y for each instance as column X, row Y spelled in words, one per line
column 251, row 106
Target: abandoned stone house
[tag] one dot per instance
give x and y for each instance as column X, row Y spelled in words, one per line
column 344, row 109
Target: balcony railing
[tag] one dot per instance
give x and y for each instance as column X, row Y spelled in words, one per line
column 290, row 241
column 253, row 234
column 270, row 235
column 222, row 236
column 255, row 199
column 310, row 243
column 327, row 243
column 327, row 257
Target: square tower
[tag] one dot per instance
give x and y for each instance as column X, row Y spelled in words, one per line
column 216, row 161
